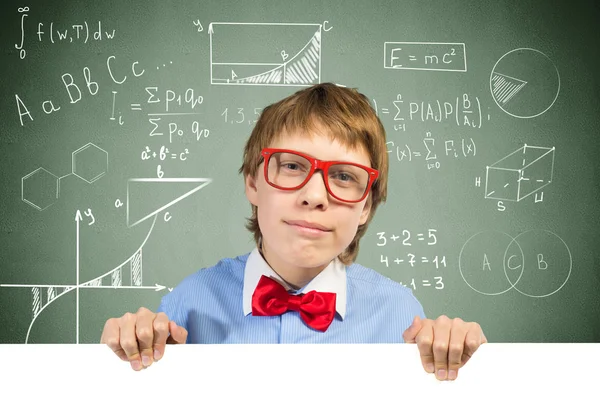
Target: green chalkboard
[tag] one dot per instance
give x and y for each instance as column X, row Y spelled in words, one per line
column 123, row 125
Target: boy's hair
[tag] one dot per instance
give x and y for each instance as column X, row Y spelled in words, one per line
column 346, row 116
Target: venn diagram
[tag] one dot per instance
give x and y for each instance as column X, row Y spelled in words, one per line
column 536, row 263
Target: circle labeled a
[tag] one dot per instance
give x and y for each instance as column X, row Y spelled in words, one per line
column 482, row 263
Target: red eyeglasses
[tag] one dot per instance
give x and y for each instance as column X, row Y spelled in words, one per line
column 290, row 170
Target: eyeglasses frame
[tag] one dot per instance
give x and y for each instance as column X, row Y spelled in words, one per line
column 315, row 165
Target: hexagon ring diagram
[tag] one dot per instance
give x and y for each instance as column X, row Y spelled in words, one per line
column 39, row 188
column 90, row 163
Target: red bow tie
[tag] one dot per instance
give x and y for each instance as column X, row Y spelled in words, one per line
column 317, row 309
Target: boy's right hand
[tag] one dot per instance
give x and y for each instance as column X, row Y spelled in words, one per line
column 141, row 338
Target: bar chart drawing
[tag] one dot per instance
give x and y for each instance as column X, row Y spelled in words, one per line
column 280, row 54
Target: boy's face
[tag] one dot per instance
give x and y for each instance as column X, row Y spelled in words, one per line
column 279, row 211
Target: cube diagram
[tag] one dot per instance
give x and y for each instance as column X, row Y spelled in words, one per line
column 520, row 174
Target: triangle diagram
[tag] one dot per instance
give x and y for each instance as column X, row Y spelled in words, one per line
column 149, row 196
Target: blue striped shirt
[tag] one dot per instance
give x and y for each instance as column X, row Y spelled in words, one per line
column 214, row 305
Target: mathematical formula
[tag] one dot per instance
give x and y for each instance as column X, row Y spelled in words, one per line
column 414, row 261
column 82, row 32
column 439, row 284
column 425, row 56
column 462, row 110
column 452, row 149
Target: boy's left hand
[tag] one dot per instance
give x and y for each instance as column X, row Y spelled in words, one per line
column 445, row 344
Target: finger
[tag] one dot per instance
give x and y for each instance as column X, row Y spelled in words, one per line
column 441, row 340
column 474, row 338
column 178, row 334
column 410, row 333
column 161, row 333
column 110, row 337
column 424, row 342
column 456, row 347
column 144, row 332
column 128, row 340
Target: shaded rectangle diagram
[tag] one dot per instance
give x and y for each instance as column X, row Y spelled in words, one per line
column 136, row 269
column 265, row 54
column 520, row 174
column 116, row 278
column 427, row 56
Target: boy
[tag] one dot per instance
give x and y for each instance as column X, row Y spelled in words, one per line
column 315, row 170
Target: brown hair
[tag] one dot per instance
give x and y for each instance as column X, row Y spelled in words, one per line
column 346, row 115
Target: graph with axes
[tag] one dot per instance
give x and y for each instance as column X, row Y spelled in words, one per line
column 129, row 274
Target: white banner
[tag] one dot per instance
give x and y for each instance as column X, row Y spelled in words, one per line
column 496, row 371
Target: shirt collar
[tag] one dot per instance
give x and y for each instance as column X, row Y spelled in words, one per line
column 331, row 279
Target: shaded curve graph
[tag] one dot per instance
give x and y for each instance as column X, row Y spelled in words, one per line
column 135, row 260
column 267, row 63
column 69, row 288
